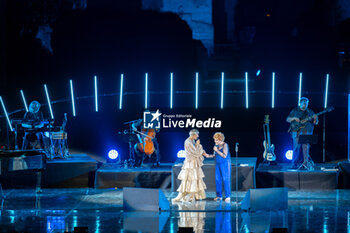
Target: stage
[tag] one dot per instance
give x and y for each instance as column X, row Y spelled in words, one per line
column 76, row 171
column 324, row 176
column 101, row 210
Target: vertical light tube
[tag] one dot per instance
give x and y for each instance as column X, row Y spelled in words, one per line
column 96, row 96
column 146, row 90
column 196, row 100
column 349, row 127
column 273, row 90
column 7, row 117
column 121, row 91
column 48, row 100
column 326, row 92
column 72, row 96
column 24, row 101
column 171, row 90
column 300, row 83
column 246, row 90
column 222, row 90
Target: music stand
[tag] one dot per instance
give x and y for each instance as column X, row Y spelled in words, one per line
column 308, row 139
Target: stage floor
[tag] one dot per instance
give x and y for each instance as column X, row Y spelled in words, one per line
column 60, row 210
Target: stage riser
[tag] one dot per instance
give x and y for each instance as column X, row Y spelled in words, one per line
column 75, row 172
column 297, row 180
column 246, row 177
column 120, row 179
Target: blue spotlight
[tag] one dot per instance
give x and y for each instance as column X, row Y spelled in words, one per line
column 273, row 90
column 96, row 96
column 196, row 103
column 146, row 91
column 181, row 154
column 300, row 82
column 326, row 92
column 289, row 154
column 113, row 154
column 222, row 90
column 72, row 96
column 171, row 90
column 7, row 117
column 24, row 101
column 246, row 90
column 48, row 101
column 121, row 91
column 258, row 72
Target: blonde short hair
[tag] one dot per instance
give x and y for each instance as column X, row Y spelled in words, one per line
column 219, row 136
column 193, row 131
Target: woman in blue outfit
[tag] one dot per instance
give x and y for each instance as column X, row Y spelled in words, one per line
column 223, row 167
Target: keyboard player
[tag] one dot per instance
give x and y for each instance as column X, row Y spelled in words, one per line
column 33, row 123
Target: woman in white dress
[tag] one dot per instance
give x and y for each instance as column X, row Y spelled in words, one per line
column 192, row 186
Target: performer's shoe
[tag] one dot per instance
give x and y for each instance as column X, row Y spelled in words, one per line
column 217, row 198
column 228, row 200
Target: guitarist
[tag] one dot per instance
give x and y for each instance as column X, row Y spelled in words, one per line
column 297, row 115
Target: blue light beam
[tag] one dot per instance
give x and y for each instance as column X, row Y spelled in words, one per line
column 273, row 90
column 300, row 83
column 121, row 91
column 222, row 90
column 96, row 96
column 24, row 101
column 196, row 100
column 246, row 91
column 326, row 92
column 48, row 101
column 146, row 90
column 7, row 117
column 72, row 96
column 171, row 90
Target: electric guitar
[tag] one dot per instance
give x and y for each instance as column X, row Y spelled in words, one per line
column 269, row 152
column 296, row 126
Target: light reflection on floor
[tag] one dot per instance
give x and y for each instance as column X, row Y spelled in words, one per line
column 60, row 210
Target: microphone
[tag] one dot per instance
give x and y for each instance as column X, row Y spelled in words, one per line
column 236, row 148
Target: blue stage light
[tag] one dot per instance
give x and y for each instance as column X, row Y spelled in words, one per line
column 7, row 117
column 258, row 72
column 171, row 90
column 222, row 90
column 196, row 103
column 326, row 92
column 24, row 101
column 273, row 90
column 300, row 83
column 121, row 91
column 72, row 96
column 96, row 96
column 48, row 101
column 246, row 90
column 146, row 91
column 113, row 154
column 289, row 154
column 181, row 154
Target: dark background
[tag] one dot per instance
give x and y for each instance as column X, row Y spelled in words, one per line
column 113, row 37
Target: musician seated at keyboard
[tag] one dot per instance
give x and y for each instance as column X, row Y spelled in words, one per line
column 32, row 123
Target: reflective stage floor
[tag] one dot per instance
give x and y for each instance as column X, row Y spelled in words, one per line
column 100, row 210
